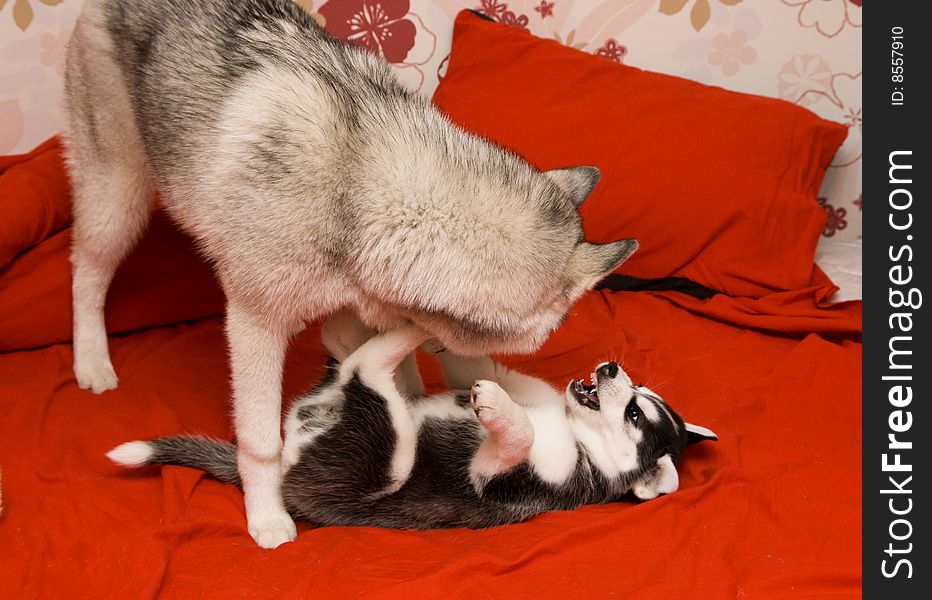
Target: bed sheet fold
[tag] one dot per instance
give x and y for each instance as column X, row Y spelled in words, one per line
column 772, row 510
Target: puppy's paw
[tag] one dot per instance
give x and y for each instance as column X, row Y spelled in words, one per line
column 493, row 406
column 272, row 530
column 95, row 374
column 510, row 431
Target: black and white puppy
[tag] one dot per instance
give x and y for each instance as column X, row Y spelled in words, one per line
column 367, row 447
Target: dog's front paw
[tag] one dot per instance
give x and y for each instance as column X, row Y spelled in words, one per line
column 95, row 374
column 271, row 531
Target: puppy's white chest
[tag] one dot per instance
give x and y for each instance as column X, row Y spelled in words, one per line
column 554, row 453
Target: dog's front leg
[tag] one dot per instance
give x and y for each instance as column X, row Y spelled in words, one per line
column 257, row 352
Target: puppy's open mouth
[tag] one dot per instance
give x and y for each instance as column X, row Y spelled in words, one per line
column 585, row 394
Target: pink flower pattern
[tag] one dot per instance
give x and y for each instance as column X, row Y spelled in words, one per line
column 493, row 9
column 545, row 9
column 54, row 49
column 828, row 17
column 731, row 51
column 510, row 18
column 852, row 117
column 442, row 67
column 379, row 26
column 612, row 50
column 836, row 218
column 498, row 11
column 802, row 73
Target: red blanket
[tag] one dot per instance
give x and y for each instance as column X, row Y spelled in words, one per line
column 772, row 510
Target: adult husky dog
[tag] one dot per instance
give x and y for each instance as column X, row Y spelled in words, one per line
column 359, row 450
column 313, row 181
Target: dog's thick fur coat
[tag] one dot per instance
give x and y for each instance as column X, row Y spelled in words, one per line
column 313, row 181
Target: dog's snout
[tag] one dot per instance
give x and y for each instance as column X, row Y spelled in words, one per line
column 609, row 369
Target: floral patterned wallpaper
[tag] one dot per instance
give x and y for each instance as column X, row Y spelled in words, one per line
column 804, row 51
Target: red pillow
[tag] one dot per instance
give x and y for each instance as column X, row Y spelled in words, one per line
column 719, row 187
column 34, row 200
column 163, row 281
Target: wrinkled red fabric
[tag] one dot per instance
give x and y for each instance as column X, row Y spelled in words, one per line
column 771, row 510
column 34, row 200
column 163, row 281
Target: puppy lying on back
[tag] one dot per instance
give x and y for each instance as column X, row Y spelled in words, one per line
column 360, row 451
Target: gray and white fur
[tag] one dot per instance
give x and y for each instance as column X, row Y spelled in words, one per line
column 360, row 451
column 313, row 182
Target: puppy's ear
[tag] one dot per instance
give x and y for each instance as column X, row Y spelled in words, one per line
column 663, row 480
column 577, row 182
column 589, row 263
column 697, row 433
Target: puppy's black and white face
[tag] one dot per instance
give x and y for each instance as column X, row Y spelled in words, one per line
column 629, row 430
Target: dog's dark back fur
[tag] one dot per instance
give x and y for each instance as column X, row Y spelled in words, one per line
column 172, row 114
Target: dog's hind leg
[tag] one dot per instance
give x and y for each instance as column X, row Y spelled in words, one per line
column 377, row 360
column 112, row 191
column 376, row 363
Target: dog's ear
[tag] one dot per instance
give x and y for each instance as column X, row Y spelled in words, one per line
column 663, row 480
column 697, row 433
column 589, row 263
column 577, row 182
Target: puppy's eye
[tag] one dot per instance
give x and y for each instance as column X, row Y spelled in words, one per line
column 633, row 413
